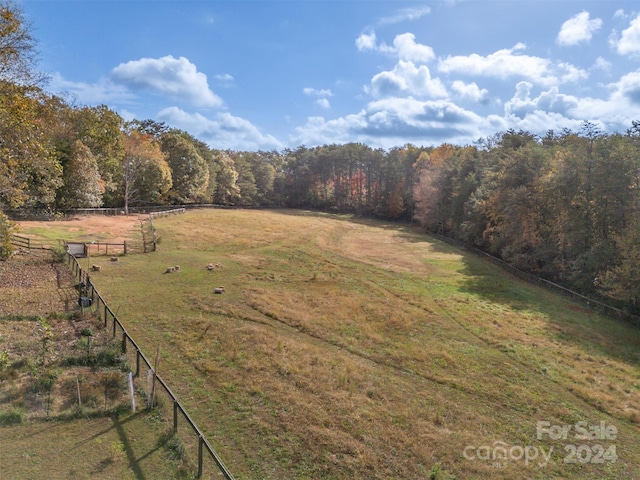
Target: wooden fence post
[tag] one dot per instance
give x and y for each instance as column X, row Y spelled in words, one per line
column 200, row 444
column 175, row 416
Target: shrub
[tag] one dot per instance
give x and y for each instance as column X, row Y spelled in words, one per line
column 7, row 228
column 11, row 417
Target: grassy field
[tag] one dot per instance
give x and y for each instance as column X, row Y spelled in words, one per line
column 354, row 349
column 65, row 410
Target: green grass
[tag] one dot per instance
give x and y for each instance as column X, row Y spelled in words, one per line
column 64, row 405
column 123, row 446
column 346, row 348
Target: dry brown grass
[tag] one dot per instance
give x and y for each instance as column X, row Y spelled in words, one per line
column 356, row 349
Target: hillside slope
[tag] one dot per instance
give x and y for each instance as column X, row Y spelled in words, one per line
column 346, row 349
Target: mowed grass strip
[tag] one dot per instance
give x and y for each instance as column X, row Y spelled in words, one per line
column 124, row 446
column 345, row 348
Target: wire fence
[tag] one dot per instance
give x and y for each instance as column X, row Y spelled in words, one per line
column 541, row 282
column 154, row 387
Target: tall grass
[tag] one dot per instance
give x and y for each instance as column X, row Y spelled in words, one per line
column 345, row 348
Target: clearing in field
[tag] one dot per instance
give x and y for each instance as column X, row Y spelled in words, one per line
column 353, row 349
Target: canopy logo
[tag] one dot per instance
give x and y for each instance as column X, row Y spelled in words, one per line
column 500, row 453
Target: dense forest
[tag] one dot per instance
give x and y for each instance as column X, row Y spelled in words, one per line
column 565, row 206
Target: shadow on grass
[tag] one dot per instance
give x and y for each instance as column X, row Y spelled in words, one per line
column 569, row 322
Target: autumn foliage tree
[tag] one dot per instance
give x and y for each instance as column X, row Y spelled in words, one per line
column 146, row 176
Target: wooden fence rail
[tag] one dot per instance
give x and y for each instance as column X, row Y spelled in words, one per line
column 102, row 310
column 19, row 241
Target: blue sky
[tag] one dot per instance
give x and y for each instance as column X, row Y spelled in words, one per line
column 263, row 75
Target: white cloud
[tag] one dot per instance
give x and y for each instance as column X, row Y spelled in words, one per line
column 550, row 101
column 407, row 49
column 224, row 77
column 555, row 111
column 628, row 88
column 366, row 41
column 405, row 14
column 404, row 47
column 601, row 64
column 407, row 79
column 323, row 103
column 223, row 131
column 391, row 122
column 508, row 63
column 470, row 91
column 103, row 91
column 629, row 41
column 578, row 29
column 177, row 78
column 619, row 13
column 317, row 93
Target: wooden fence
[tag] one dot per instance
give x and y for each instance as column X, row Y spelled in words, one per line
column 188, row 432
column 20, row 241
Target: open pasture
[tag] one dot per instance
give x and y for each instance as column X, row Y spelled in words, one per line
column 344, row 348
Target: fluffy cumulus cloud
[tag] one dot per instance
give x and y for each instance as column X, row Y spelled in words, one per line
column 103, row 91
column 628, row 87
column 578, row 29
column 404, row 47
column 223, row 131
column 407, row 49
column 391, row 122
column 366, row 41
column 552, row 110
column 176, row 78
column 470, row 91
column 551, row 101
column 509, row 63
column 629, row 41
column 406, row 79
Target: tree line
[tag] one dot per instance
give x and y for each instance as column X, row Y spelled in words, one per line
column 564, row 206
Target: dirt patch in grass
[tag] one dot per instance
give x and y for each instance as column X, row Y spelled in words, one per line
column 113, row 228
column 33, row 284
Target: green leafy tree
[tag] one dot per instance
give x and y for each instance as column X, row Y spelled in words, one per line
column 29, row 171
column 101, row 130
column 83, row 186
column 227, row 191
column 189, row 171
